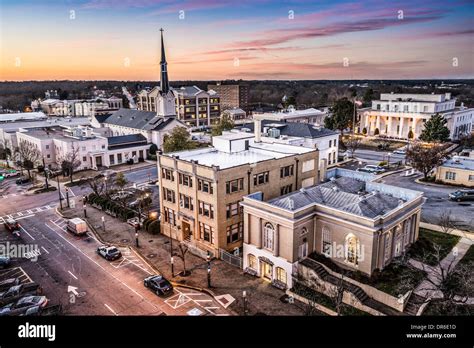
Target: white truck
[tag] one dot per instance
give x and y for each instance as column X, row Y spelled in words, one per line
column 77, row 226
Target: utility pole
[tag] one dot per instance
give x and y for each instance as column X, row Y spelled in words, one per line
column 45, row 174
column 67, row 197
column 59, row 192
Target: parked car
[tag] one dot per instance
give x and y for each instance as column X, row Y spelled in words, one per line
column 372, row 168
column 8, row 283
column 4, row 262
column 22, row 180
column 462, row 195
column 109, row 253
column 43, row 311
column 77, row 226
column 11, row 173
column 159, row 285
column 18, row 291
column 23, row 304
column 12, row 225
column 400, row 152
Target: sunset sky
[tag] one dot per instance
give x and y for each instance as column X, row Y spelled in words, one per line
column 248, row 39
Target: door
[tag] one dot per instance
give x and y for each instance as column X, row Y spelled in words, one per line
column 186, row 230
column 267, row 270
column 98, row 161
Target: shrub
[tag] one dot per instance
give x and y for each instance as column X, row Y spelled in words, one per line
column 364, row 131
column 383, row 163
column 146, row 222
column 154, row 227
column 376, row 132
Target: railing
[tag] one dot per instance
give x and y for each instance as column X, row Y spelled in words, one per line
column 234, row 260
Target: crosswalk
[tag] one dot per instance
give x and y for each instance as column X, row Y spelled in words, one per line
column 25, row 213
column 10, row 195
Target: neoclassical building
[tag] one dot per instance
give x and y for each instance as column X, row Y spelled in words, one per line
column 398, row 115
column 360, row 224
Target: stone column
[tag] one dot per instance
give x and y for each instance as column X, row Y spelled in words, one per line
column 246, row 230
column 276, row 242
column 389, row 125
column 400, row 131
column 413, row 127
column 377, row 124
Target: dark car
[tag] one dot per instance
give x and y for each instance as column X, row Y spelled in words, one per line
column 4, row 262
column 12, row 225
column 109, row 252
column 22, row 180
column 18, row 291
column 462, row 195
column 8, row 283
column 159, row 285
column 23, row 304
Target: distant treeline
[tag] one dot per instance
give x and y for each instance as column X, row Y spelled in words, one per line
column 262, row 93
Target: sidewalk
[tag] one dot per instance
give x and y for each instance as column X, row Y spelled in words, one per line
column 262, row 297
column 460, row 233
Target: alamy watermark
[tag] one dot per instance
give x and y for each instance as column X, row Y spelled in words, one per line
column 26, row 251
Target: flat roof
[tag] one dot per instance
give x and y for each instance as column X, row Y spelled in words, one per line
column 256, row 153
column 51, row 121
column 460, row 162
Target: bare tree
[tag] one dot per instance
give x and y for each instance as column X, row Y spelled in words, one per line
column 446, row 222
column 29, row 155
column 183, row 249
column 424, row 158
column 352, row 144
column 70, row 162
column 97, row 185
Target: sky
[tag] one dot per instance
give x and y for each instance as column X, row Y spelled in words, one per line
column 236, row 39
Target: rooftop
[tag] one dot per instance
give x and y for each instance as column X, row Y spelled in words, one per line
column 292, row 113
column 138, row 119
column 22, row 116
column 126, row 139
column 14, row 126
column 460, row 162
column 347, row 194
column 292, row 129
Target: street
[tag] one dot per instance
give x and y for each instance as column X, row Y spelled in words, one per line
column 375, row 157
column 71, row 272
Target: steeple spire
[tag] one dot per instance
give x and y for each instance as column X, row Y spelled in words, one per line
column 164, row 84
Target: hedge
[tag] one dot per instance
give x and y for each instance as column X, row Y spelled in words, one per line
column 111, row 206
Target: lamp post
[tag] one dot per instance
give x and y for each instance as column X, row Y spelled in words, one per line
column 172, row 266
column 388, row 162
column 136, row 235
column 244, row 298
column 59, row 193
column 105, row 179
column 209, row 275
column 67, row 197
column 45, row 174
column 103, row 223
column 85, row 211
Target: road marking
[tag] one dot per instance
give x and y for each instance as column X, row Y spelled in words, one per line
column 29, row 212
column 21, row 227
column 106, row 271
column 72, row 274
column 20, row 214
column 24, row 217
column 110, row 309
column 46, row 251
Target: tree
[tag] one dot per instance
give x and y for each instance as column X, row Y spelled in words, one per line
column 178, row 140
column 341, row 118
column 447, row 222
column 435, row 130
column 97, row 184
column 369, row 95
column 352, row 144
column 121, row 181
column 183, row 249
column 29, row 156
column 153, row 149
column 424, row 158
column 70, row 162
column 410, row 134
column 225, row 123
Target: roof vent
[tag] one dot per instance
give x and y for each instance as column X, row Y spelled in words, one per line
column 335, row 188
column 302, row 190
column 332, row 178
column 291, row 203
column 374, row 192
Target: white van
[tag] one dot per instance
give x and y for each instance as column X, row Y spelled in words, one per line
column 77, row 226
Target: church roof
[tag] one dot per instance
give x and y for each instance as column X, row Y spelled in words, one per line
column 144, row 120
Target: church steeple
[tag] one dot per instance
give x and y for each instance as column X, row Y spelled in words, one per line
column 164, row 84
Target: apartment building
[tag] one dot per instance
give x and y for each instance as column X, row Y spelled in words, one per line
column 402, row 115
column 201, row 190
column 196, row 107
column 232, row 96
column 359, row 224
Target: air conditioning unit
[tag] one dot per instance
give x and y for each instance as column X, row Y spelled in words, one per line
column 274, row 133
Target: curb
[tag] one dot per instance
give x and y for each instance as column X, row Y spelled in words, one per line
column 439, row 185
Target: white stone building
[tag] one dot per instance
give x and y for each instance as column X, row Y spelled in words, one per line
column 311, row 115
column 396, row 115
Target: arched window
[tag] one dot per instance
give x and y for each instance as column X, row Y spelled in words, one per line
column 407, row 230
column 399, row 239
column 388, row 246
column 268, row 234
column 281, row 275
column 303, row 249
column 352, row 246
column 252, row 262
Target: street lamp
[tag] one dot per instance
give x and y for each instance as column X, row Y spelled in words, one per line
column 209, row 275
column 59, row 193
column 136, row 235
column 388, row 162
column 103, row 223
column 67, row 197
column 172, row 266
column 85, row 211
column 244, row 297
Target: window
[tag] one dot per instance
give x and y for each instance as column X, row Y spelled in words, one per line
column 186, row 202
column 49, row 156
column 307, row 166
column 327, row 241
column 330, row 143
column 206, row 232
column 252, row 262
column 268, row 234
column 286, row 171
column 170, row 216
column 234, row 185
column 303, row 249
column 232, row 209
column 119, row 158
column 167, row 174
column 205, row 186
column 112, row 159
column 471, row 177
column 185, row 180
column 259, row 179
column 351, row 249
column 235, row 232
column 103, row 147
column 206, row 209
column 168, row 195
column 388, row 246
column 47, row 147
column 281, row 275
column 84, row 158
column 286, row 189
column 83, row 148
column 450, row 176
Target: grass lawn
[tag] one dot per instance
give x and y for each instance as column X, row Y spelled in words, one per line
column 395, row 279
column 423, row 249
column 324, row 300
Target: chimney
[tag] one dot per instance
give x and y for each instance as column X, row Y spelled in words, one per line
column 257, row 129
column 447, row 96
